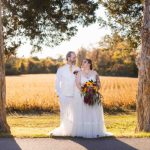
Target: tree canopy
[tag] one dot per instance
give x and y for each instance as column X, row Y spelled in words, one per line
column 46, row 22
column 125, row 16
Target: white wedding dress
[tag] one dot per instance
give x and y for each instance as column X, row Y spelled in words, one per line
column 80, row 119
column 88, row 120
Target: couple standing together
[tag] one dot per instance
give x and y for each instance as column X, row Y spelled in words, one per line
column 78, row 119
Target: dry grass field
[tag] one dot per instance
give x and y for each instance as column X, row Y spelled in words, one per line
column 36, row 93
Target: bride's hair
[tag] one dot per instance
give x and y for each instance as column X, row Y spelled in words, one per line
column 89, row 62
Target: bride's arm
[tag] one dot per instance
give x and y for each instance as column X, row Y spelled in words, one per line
column 78, row 81
column 98, row 80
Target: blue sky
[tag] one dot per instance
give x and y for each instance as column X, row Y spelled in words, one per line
column 87, row 37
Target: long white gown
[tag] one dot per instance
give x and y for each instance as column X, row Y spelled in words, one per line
column 80, row 119
column 88, row 120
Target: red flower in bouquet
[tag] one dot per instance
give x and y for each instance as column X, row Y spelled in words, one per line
column 90, row 92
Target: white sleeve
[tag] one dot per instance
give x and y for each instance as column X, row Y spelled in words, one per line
column 79, row 69
column 58, row 82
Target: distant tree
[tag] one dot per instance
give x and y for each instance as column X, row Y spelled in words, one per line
column 119, row 56
column 82, row 53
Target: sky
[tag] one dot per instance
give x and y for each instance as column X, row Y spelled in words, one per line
column 87, row 37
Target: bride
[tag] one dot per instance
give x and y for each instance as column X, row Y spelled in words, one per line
column 88, row 119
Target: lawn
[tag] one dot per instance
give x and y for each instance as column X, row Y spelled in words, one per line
column 121, row 125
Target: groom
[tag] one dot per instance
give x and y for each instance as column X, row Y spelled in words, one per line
column 65, row 83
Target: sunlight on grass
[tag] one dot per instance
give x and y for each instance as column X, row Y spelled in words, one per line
column 121, row 125
column 32, row 125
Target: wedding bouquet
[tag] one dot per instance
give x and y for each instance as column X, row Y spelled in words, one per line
column 90, row 92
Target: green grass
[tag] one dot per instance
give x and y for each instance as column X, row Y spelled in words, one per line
column 121, row 125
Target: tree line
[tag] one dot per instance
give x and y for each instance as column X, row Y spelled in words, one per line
column 115, row 56
column 109, row 63
column 32, row 65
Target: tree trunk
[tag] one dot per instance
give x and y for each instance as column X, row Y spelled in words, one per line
column 143, row 63
column 3, row 122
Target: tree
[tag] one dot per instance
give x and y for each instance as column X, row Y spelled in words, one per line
column 82, row 52
column 46, row 22
column 42, row 22
column 118, row 56
column 125, row 17
column 143, row 62
column 3, row 123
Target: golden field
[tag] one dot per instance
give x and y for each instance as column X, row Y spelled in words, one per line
column 36, row 93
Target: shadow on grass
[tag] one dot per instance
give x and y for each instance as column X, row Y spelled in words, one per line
column 103, row 143
column 7, row 141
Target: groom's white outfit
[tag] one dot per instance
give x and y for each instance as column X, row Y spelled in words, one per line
column 65, row 81
column 65, row 84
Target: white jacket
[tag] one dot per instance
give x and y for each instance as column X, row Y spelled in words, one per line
column 65, row 80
